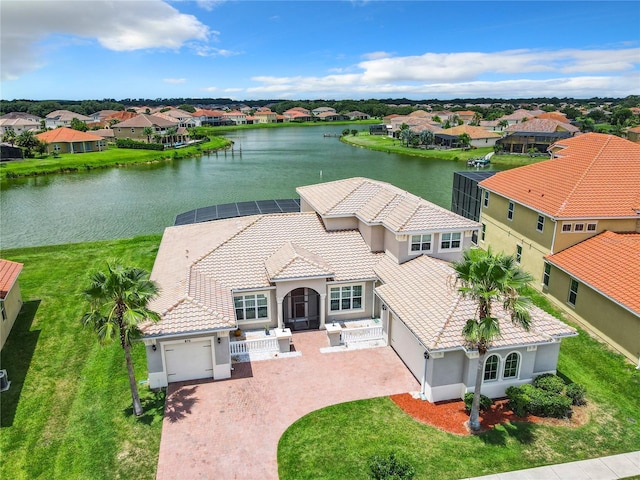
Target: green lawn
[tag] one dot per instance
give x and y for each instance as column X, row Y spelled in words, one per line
column 68, row 412
column 112, row 157
column 383, row 143
column 338, row 441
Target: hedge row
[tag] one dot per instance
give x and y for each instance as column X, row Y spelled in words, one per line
column 128, row 143
column 546, row 397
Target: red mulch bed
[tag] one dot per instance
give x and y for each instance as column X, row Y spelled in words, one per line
column 451, row 416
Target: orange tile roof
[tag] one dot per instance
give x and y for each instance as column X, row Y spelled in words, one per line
column 9, row 272
column 560, row 117
column 67, row 135
column 595, row 176
column 609, row 263
column 473, row 132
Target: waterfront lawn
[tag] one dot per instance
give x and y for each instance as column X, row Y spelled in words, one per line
column 68, row 412
column 112, row 157
column 383, row 143
column 338, row 441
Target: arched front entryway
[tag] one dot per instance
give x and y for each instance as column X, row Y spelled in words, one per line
column 302, row 309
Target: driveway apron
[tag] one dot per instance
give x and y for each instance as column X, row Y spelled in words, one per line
column 230, row 429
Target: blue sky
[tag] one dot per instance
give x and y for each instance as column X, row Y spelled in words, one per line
column 94, row 49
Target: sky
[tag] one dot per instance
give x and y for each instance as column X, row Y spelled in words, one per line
column 296, row 50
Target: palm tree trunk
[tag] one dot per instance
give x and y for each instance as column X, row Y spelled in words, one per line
column 474, row 417
column 137, row 406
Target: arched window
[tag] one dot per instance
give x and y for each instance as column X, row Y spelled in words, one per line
column 511, row 365
column 491, row 368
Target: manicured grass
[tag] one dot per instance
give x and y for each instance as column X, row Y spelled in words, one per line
column 383, row 143
column 337, row 442
column 68, row 412
column 112, row 157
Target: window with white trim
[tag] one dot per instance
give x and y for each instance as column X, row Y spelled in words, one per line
column 491, row 368
column 547, row 274
column 511, row 365
column 486, row 198
column 450, row 241
column 578, row 227
column 510, row 211
column 484, row 231
column 251, row 307
column 518, row 253
column 421, row 243
column 566, row 227
column 591, row 227
column 348, row 297
column 540, row 225
column 573, row 293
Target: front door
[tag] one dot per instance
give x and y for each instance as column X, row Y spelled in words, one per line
column 302, row 309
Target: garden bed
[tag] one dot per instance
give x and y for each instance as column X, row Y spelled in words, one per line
column 451, row 416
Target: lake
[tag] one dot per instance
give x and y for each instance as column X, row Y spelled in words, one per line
column 264, row 164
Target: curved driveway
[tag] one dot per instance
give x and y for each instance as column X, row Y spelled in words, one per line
column 230, row 429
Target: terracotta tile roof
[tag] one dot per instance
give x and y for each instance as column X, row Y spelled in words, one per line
column 595, row 176
column 208, row 113
column 420, row 293
column 67, row 135
column 560, row 117
column 121, row 116
column 609, row 263
column 473, row 132
column 9, row 272
column 542, row 125
column 381, row 203
column 520, row 114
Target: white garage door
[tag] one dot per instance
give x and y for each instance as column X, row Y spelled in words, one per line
column 407, row 347
column 188, row 361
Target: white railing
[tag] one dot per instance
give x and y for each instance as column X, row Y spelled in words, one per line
column 361, row 334
column 253, row 346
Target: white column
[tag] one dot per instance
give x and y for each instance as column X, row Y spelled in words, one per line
column 280, row 320
column 323, row 307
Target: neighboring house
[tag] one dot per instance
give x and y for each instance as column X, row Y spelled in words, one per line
column 491, row 125
column 208, row 117
column 320, row 110
column 266, row 116
column 297, row 116
column 557, row 116
column 466, row 115
column 10, row 297
column 355, row 115
column 537, row 133
column 117, row 117
column 520, row 115
column 358, row 249
column 68, row 140
column 63, row 118
column 234, row 117
column 99, row 117
column 330, row 116
column 19, row 122
column 299, row 110
column 633, row 134
column 184, row 119
column 478, row 135
column 590, row 185
column 599, row 279
column 134, row 129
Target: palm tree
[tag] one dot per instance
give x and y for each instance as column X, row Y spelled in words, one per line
column 171, row 133
column 465, row 140
column 490, row 280
column 426, row 137
column 148, row 131
column 28, row 141
column 118, row 300
column 503, row 124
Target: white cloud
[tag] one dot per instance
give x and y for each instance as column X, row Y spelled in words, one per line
column 208, row 51
column 175, row 81
column 209, row 89
column 119, row 26
column 508, row 74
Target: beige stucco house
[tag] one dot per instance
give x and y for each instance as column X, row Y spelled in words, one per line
column 67, row 140
column 359, row 249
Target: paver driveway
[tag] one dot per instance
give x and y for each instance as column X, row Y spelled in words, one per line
column 230, row 429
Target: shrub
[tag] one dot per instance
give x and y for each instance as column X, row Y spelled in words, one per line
column 390, row 468
column 576, row 393
column 128, row 143
column 485, row 402
column 550, row 383
column 536, row 401
column 518, row 401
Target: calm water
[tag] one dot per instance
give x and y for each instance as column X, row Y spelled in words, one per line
column 265, row 164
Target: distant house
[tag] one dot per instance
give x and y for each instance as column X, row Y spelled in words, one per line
column 10, row 297
column 63, row 118
column 330, row 116
column 266, row 116
column 633, row 134
column 320, row 110
column 68, row 140
column 234, row 117
column 297, row 116
column 184, row 119
column 465, row 115
column 478, row 135
column 134, row 129
column 537, row 133
column 19, row 122
column 519, row 115
column 355, row 115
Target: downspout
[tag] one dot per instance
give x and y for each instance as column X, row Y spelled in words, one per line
column 423, row 394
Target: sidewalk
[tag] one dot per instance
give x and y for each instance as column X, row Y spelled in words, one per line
column 606, row 468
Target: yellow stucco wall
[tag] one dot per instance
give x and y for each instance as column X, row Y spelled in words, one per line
column 503, row 235
column 614, row 324
column 568, row 239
